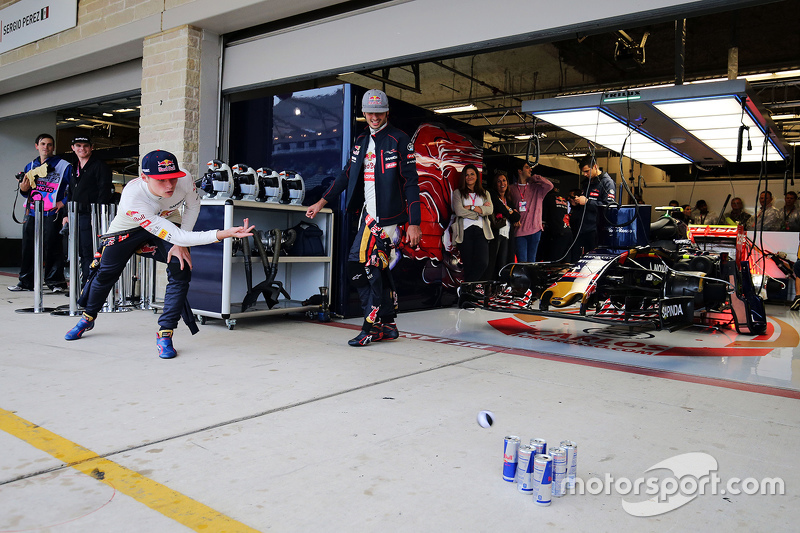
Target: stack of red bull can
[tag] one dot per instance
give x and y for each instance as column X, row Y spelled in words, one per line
column 537, row 472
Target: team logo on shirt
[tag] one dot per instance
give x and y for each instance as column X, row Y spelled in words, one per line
column 163, row 234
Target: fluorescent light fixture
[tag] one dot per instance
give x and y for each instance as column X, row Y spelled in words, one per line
column 669, row 125
column 716, row 122
column 772, row 75
column 108, row 114
column 787, row 116
column 523, row 137
column 456, row 109
column 610, row 131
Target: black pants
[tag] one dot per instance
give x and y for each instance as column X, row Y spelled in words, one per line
column 52, row 251
column 474, row 250
column 498, row 257
column 375, row 285
column 85, row 244
column 586, row 242
column 554, row 246
column 115, row 256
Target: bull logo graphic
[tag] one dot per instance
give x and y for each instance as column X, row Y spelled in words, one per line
column 167, row 165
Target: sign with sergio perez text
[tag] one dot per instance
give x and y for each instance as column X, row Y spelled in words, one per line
column 27, row 21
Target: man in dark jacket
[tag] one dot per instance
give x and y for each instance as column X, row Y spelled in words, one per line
column 556, row 235
column 91, row 184
column 381, row 183
column 599, row 192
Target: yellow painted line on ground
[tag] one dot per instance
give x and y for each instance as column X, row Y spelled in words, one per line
column 158, row 497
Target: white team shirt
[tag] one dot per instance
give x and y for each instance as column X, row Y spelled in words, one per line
column 138, row 207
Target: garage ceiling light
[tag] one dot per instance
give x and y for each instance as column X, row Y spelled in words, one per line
column 669, row 125
column 456, row 109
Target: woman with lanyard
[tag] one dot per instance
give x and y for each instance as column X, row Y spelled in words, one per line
column 505, row 216
column 471, row 229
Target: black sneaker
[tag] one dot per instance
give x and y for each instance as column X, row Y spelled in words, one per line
column 376, row 332
column 389, row 331
column 17, row 288
column 794, row 307
column 362, row 339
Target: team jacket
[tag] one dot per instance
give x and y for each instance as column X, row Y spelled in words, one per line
column 396, row 186
column 138, row 207
column 91, row 184
column 600, row 193
column 53, row 187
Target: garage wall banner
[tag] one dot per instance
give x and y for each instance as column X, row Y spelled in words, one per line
column 28, row 21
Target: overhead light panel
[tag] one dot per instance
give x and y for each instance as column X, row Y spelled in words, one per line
column 456, row 109
column 697, row 123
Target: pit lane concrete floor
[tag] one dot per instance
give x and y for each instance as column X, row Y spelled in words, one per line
column 278, row 425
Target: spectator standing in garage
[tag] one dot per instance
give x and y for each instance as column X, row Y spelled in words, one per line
column 557, row 234
column 768, row 217
column 501, row 248
column 597, row 193
column 472, row 229
column 51, row 186
column 790, row 212
column 91, row 184
column 702, row 216
column 737, row 215
column 528, row 194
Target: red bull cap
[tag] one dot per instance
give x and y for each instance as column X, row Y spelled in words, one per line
column 161, row 165
column 374, row 101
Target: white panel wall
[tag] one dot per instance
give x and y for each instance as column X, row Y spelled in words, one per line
column 121, row 78
column 420, row 28
column 17, row 138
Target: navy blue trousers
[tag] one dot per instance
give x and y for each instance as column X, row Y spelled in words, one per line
column 117, row 250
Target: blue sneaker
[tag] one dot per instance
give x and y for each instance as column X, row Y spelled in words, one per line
column 164, row 344
column 84, row 324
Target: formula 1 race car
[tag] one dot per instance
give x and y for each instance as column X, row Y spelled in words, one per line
column 669, row 284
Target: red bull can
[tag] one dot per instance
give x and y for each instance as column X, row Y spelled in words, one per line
column 542, row 479
column 559, row 456
column 540, row 445
column 510, row 450
column 525, row 469
column 572, row 461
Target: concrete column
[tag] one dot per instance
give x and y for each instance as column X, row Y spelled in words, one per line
column 170, row 114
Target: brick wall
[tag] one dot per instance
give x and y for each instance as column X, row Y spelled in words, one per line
column 170, row 114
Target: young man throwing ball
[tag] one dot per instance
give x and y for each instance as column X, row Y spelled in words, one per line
column 149, row 222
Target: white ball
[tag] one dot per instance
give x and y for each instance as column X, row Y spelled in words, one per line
column 485, row 419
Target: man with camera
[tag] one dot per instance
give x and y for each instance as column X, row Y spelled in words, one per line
column 45, row 178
